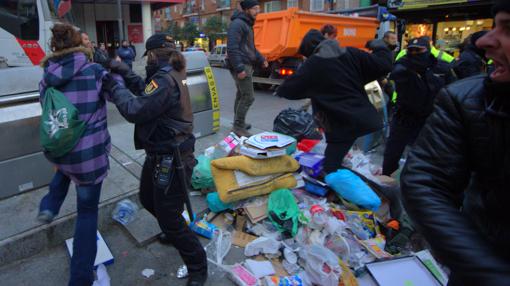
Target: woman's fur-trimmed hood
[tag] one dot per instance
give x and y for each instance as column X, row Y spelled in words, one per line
column 61, row 67
column 62, row 53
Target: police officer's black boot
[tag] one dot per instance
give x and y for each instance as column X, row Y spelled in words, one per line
column 197, row 279
column 163, row 238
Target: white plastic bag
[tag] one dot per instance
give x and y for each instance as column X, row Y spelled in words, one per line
column 262, row 245
column 322, row 266
column 219, row 246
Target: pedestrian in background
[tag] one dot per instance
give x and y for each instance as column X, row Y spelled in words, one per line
column 161, row 109
column 126, row 54
column 242, row 58
column 329, row 31
column 334, row 78
column 132, row 48
column 68, row 69
column 418, row 77
column 456, row 180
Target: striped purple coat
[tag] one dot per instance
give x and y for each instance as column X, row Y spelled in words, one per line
column 70, row 72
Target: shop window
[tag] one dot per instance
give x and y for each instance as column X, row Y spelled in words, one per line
column 317, row 5
column 417, row 30
column 20, row 18
column 272, row 6
column 450, row 35
column 292, row 3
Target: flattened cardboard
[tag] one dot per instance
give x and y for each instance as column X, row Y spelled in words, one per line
column 256, row 212
column 241, row 239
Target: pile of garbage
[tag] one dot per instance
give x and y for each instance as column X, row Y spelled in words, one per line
column 269, row 195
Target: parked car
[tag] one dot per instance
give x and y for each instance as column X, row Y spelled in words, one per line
column 218, row 56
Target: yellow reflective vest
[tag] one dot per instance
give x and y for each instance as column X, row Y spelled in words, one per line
column 438, row 54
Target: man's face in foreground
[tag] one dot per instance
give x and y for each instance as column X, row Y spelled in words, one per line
column 496, row 43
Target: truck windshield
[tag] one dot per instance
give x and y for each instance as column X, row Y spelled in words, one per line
column 20, row 18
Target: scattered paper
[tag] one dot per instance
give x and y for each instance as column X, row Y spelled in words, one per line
column 148, row 272
column 103, row 279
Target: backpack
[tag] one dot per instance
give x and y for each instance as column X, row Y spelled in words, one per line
column 60, row 128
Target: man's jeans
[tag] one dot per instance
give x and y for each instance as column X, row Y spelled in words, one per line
column 84, row 245
column 244, row 96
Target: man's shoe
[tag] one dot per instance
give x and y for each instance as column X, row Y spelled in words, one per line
column 241, row 132
column 247, row 126
column 45, row 216
column 163, row 238
column 197, row 279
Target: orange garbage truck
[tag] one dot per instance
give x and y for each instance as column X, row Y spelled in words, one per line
column 279, row 34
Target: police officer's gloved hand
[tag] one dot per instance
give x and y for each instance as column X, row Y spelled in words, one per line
column 119, row 68
column 109, row 83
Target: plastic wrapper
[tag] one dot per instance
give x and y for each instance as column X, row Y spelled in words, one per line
column 339, row 246
column 283, row 281
column 219, row 246
column 362, row 224
column 203, row 227
column 182, row 272
column 322, row 266
column 262, row 245
column 125, row 211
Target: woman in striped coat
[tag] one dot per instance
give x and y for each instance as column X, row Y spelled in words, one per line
column 70, row 71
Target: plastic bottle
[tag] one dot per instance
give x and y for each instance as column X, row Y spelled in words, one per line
column 125, row 211
column 319, row 217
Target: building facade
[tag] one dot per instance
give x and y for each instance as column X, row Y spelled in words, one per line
column 199, row 11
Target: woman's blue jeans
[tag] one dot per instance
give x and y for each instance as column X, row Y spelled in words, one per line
column 84, row 245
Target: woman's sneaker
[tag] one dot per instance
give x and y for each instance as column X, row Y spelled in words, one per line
column 45, row 216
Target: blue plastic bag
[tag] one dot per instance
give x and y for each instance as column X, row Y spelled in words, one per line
column 215, row 204
column 350, row 187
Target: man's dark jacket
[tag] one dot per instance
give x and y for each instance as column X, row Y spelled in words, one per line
column 417, row 88
column 334, row 79
column 456, row 182
column 241, row 43
column 470, row 62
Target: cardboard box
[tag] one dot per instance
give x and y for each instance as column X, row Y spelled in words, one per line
column 257, row 153
column 266, row 140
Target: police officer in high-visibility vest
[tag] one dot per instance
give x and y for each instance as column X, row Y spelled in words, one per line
column 438, row 54
column 161, row 111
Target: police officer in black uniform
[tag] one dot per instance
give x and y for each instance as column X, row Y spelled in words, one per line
column 161, row 111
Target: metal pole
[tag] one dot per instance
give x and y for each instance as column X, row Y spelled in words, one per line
column 119, row 19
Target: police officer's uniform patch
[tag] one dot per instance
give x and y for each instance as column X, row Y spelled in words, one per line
column 151, row 87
